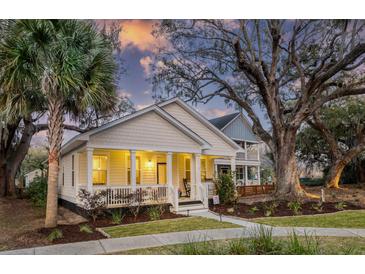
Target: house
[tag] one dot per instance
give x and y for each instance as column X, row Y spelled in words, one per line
column 168, row 152
column 247, row 162
column 30, row 176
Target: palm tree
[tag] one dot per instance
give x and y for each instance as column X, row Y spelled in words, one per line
column 71, row 65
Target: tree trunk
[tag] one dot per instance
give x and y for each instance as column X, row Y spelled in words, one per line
column 334, row 174
column 3, row 187
column 339, row 163
column 360, row 169
column 287, row 177
column 55, row 135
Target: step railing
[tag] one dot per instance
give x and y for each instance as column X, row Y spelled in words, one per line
column 174, row 197
column 203, row 193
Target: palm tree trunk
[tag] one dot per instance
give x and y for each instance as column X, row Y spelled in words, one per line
column 55, row 135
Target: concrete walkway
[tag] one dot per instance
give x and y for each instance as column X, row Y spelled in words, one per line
column 107, row 246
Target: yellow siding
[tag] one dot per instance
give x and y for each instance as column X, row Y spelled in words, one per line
column 219, row 146
column 146, row 132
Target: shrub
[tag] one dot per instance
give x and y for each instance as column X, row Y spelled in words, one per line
column 85, row 228
column 225, row 188
column 318, row 207
column 295, row 207
column 37, row 191
column 154, row 213
column 270, row 208
column 253, row 210
column 262, row 242
column 136, row 199
column 340, row 206
column 117, row 216
column 94, row 203
column 55, row 234
column 309, row 246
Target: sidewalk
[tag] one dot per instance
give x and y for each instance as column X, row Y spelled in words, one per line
column 107, row 246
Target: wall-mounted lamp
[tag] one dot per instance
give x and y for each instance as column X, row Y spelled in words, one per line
column 149, row 164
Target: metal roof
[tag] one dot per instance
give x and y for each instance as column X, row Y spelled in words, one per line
column 221, row 122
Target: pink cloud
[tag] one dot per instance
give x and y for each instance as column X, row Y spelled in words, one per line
column 138, row 34
column 146, row 63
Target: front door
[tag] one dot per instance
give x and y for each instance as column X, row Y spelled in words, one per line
column 161, row 173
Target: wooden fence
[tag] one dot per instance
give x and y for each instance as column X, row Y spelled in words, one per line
column 254, row 190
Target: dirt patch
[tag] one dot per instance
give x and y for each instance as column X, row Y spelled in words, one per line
column 282, row 209
column 354, row 194
column 128, row 219
column 19, row 222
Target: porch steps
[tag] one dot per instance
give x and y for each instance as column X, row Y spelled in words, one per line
column 187, row 207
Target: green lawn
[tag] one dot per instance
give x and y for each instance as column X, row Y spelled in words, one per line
column 342, row 219
column 326, row 245
column 164, row 226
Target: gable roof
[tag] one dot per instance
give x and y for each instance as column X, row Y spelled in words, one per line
column 221, row 122
column 84, row 137
column 225, row 124
column 202, row 119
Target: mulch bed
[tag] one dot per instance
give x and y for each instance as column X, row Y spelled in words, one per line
column 128, row 219
column 71, row 233
column 243, row 210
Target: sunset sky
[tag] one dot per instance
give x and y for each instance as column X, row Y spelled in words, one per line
column 139, row 47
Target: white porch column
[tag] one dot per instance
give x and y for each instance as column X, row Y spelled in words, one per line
column 89, row 168
column 169, row 169
column 192, row 177
column 246, row 176
column 233, row 168
column 133, row 169
column 258, row 175
column 258, row 152
column 198, row 177
column 245, row 151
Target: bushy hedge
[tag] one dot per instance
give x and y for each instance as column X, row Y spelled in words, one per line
column 37, row 191
column 312, row 181
column 225, row 187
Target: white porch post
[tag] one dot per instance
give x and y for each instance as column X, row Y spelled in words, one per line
column 233, row 168
column 89, row 156
column 258, row 175
column 258, row 152
column 133, row 169
column 246, row 151
column 192, row 177
column 169, row 168
column 198, row 178
column 246, row 176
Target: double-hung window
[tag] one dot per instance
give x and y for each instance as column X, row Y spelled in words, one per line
column 100, row 169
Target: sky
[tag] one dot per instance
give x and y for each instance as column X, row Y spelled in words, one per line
column 138, row 49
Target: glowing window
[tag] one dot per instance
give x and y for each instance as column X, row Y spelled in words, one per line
column 99, row 169
column 203, row 169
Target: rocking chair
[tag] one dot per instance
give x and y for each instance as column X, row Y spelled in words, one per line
column 187, row 187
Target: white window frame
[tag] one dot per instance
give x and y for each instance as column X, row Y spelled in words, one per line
column 107, row 154
column 186, row 157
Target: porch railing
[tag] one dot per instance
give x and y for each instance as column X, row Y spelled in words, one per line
column 143, row 195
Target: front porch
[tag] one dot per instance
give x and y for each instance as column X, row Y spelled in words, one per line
column 155, row 177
